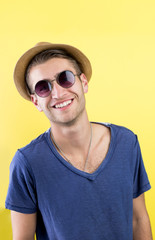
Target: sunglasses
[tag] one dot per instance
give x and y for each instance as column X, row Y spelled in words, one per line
column 65, row 79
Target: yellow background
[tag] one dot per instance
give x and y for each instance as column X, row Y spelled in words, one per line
column 118, row 36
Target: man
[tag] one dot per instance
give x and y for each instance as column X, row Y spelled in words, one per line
column 78, row 180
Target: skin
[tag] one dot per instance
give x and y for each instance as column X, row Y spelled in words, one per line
column 70, row 126
column 141, row 222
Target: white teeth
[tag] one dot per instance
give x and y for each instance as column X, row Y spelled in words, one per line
column 63, row 104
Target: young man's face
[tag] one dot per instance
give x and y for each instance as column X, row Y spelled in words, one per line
column 73, row 96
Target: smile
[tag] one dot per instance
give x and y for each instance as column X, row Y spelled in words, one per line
column 64, row 104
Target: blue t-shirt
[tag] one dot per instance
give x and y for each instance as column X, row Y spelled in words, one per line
column 72, row 204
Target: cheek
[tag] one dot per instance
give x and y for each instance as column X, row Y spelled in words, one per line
column 41, row 103
column 46, row 104
column 35, row 101
column 40, row 108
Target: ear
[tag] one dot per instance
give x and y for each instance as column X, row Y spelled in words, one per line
column 84, row 82
column 35, row 102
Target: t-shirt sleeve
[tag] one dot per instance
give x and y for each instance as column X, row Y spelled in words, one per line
column 21, row 196
column 141, row 182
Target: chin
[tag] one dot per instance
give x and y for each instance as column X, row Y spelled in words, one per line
column 68, row 119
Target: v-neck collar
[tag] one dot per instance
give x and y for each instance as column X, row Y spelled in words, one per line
column 90, row 176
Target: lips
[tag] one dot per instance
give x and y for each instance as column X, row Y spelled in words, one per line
column 63, row 104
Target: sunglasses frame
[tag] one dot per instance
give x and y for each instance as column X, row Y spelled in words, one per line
column 57, row 81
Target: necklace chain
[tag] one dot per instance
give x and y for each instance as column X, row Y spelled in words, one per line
column 64, row 154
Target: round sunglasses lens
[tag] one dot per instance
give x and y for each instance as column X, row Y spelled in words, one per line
column 43, row 88
column 66, row 79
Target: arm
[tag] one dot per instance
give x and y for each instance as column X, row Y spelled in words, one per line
column 23, row 225
column 141, row 222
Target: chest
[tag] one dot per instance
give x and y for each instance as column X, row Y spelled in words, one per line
column 98, row 153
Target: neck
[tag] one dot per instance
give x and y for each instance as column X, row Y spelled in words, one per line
column 76, row 136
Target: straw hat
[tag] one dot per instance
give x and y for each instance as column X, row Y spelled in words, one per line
column 22, row 64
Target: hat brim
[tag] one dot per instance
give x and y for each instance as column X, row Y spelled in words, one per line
column 23, row 62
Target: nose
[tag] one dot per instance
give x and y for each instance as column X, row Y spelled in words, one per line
column 57, row 91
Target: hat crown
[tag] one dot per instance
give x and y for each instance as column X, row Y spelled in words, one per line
column 42, row 43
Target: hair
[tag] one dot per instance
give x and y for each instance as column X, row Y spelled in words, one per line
column 46, row 55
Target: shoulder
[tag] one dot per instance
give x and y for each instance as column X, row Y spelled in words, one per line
column 121, row 136
column 120, row 131
column 36, row 143
column 127, row 141
column 31, row 151
column 123, row 133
